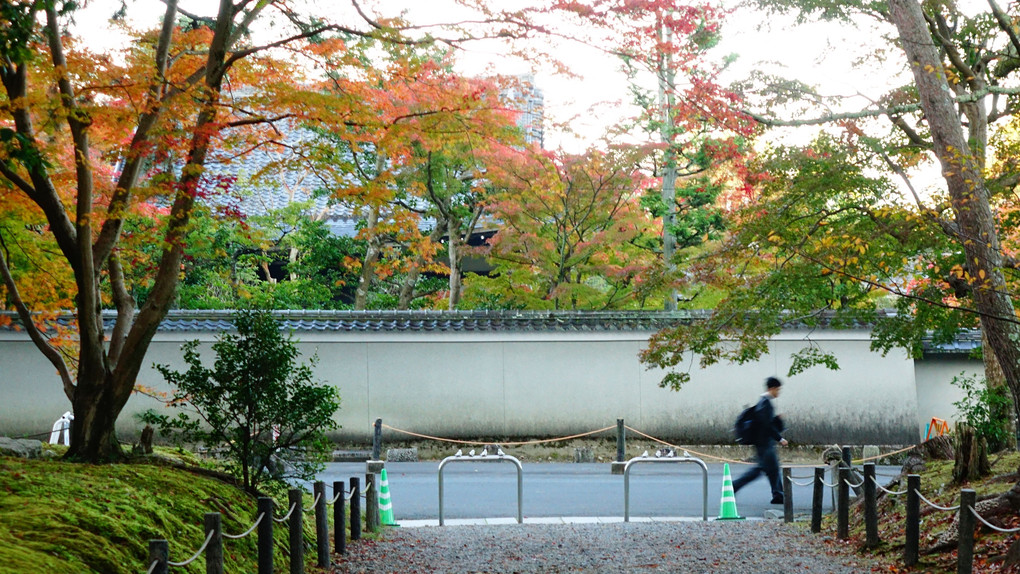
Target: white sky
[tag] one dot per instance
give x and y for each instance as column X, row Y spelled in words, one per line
column 598, row 96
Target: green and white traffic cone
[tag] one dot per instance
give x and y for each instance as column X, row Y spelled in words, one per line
column 385, row 505
column 728, row 505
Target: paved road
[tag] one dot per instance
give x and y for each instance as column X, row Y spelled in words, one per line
column 487, row 490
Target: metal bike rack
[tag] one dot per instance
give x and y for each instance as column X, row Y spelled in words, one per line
column 485, row 458
column 665, row 459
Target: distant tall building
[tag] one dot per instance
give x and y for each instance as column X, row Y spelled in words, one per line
column 527, row 98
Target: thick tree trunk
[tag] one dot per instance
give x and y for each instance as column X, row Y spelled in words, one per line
column 967, row 191
column 971, row 455
column 372, row 253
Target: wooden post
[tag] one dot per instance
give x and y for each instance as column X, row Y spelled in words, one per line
column 355, row 508
column 321, row 525
column 159, row 552
column 339, row 536
column 816, row 500
column 787, row 495
column 371, row 502
column 377, row 441
column 214, row 551
column 843, row 504
column 913, row 526
column 621, row 441
column 297, row 535
column 966, row 524
column 265, row 533
column 871, row 539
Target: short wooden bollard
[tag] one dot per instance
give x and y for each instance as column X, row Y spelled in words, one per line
column 621, row 441
column 371, row 502
column 843, row 504
column 214, row 551
column 870, row 507
column 377, row 441
column 265, row 534
column 913, row 525
column 817, row 496
column 159, row 552
column 297, row 535
column 321, row 525
column 339, row 535
column 787, row 495
column 966, row 525
column 355, row 508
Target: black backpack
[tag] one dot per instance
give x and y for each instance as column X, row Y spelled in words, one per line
column 744, row 430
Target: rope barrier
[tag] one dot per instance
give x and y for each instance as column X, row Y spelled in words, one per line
column 852, row 485
column 336, row 498
column 990, row 525
column 886, row 490
column 516, row 443
column 197, row 554
column 935, row 506
column 249, row 531
column 833, row 485
column 808, row 483
column 699, row 454
column 289, row 512
column 318, row 495
column 878, row 456
column 152, row 567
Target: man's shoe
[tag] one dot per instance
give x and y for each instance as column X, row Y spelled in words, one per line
column 777, row 500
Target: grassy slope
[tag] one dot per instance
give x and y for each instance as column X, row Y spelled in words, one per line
column 75, row 518
column 936, row 485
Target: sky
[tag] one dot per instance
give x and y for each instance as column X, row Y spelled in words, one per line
column 597, row 94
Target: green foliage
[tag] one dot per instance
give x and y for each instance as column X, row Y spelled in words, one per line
column 986, row 409
column 255, row 390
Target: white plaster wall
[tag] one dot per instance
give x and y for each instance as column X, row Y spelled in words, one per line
column 935, row 391
column 542, row 384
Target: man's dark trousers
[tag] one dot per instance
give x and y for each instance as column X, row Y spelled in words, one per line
column 768, row 462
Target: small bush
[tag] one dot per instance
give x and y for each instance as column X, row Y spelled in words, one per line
column 985, row 409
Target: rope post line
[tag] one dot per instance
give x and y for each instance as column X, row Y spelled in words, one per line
column 871, row 539
column 265, row 534
column 966, row 524
column 159, row 556
column 913, row 525
column 817, row 497
column 339, row 537
column 843, row 503
column 214, row 551
column 371, row 502
column 297, row 536
column 321, row 525
column 355, row 508
column 788, row 495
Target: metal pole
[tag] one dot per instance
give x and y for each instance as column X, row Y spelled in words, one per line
column 913, row 526
column 297, row 535
column 621, row 440
column 816, row 500
column 787, row 495
column 265, row 529
column 355, row 508
column 321, row 524
column 214, row 551
column 338, row 517
column 371, row 502
column 159, row 552
column 376, row 442
column 966, row 524
column 871, row 539
column 843, row 507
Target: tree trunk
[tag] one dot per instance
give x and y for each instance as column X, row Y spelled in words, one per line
column 971, row 455
column 368, row 265
column 453, row 249
column 93, row 431
column 967, row 191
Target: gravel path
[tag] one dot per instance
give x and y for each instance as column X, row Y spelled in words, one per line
column 716, row 547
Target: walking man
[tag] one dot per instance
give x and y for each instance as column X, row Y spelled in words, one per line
column 767, row 430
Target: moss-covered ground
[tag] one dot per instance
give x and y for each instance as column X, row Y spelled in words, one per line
column 71, row 518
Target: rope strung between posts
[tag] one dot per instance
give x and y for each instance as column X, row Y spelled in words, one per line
column 517, row 443
column 852, row 485
column 318, row 495
column 336, row 498
column 808, row 483
column 833, row 485
column 249, row 531
column 196, row 554
column 152, row 567
column 289, row 512
column 878, row 456
column 700, row 454
column 990, row 525
column 935, row 506
column 886, row 490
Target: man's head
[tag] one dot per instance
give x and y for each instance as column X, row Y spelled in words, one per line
column 772, row 385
